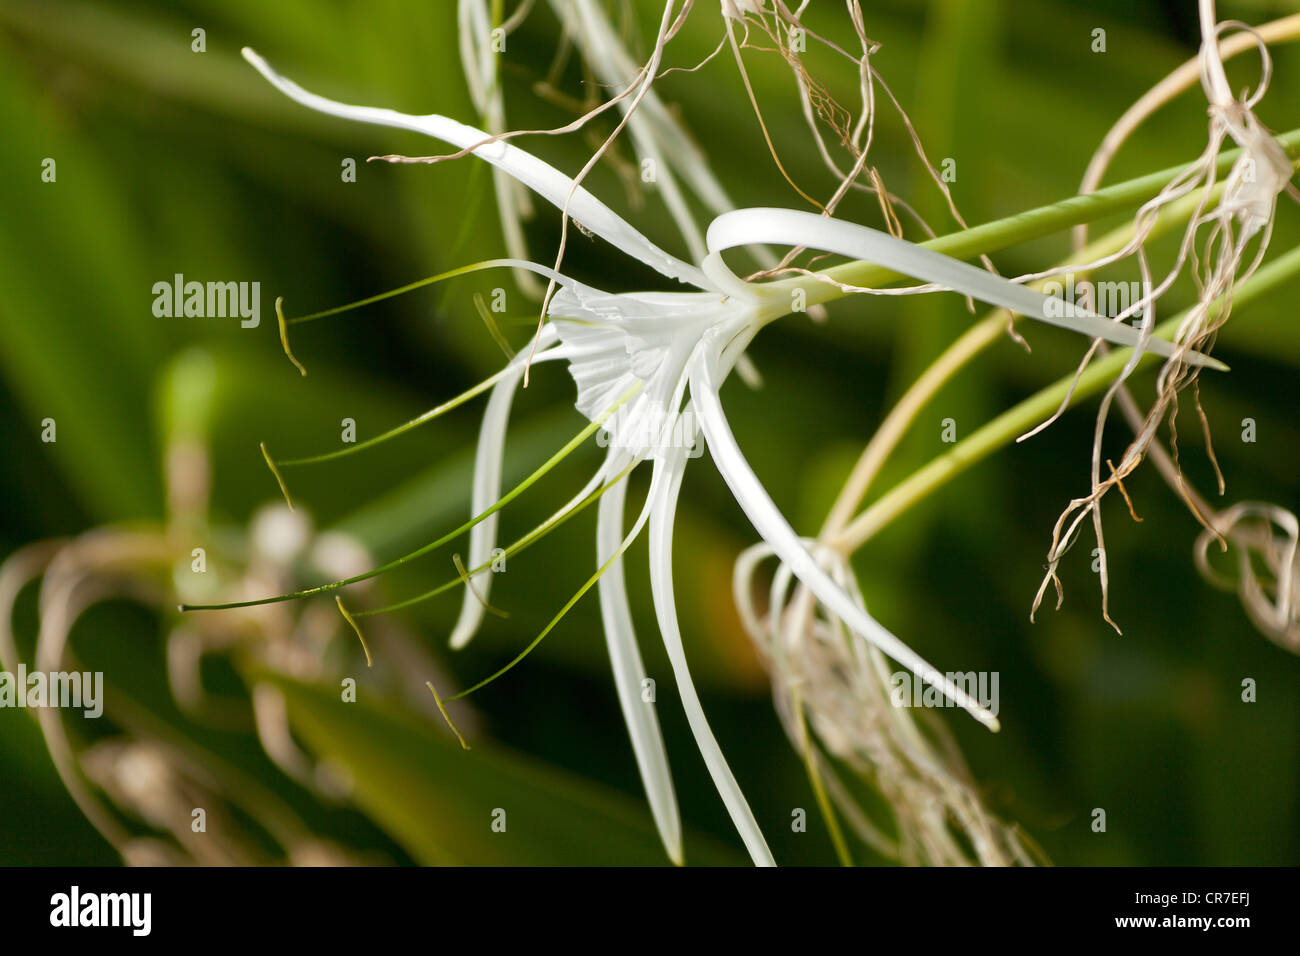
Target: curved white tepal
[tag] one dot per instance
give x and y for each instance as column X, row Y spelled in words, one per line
column 793, row 227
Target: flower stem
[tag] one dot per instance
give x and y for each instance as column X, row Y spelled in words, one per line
column 1004, row 429
column 971, row 343
column 1023, row 227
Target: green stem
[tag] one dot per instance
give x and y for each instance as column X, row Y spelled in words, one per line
column 964, row 350
column 1015, row 421
column 1032, row 224
column 501, row 502
column 543, row 529
column 818, row 787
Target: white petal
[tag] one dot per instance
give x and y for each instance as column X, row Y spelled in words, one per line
column 544, row 179
column 614, row 341
column 665, row 485
column 797, row 228
column 629, row 671
column 603, row 51
column 487, row 488
column 479, row 64
column 776, row 531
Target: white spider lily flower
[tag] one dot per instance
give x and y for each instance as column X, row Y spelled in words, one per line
column 639, row 354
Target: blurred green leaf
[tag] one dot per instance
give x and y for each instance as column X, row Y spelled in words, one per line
column 438, row 800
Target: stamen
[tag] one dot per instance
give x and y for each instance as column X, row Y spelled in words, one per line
column 419, row 420
column 464, row 579
column 432, row 413
column 279, row 479
column 409, row 287
column 587, row 586
column 515, row 492
column 284, row 334
column 391, row 293
column 543, row 529
column 445, row 716
column 361, row 637
column 494, row 330
column 568, row 606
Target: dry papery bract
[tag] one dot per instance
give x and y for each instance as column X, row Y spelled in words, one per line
column 659, row 136
column 826, row 682
column 140, row 784
column 1245, row 210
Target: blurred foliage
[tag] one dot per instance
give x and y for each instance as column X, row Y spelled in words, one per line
column 171, row 161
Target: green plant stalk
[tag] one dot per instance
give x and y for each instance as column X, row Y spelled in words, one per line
column 964, row 350
column 1015, row 421
column 1022, row 227
column 818, row 788
column 500, row 503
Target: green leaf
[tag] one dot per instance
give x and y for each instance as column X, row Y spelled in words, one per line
column 438, row 801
